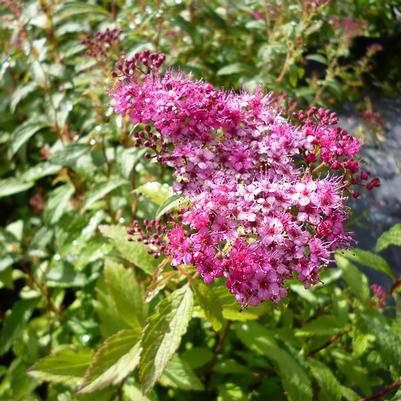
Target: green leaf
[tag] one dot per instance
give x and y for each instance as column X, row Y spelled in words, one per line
column 21, row 93
column 69, row 154
column 295, row 380
column 135, row 252
column 57, row 203
column 319, row 58
column 321, row 326
column 110, row 320
column 127, row 294
column 231, row 392
column 349, row 394
column 76, row 9
column 15, row 322
column 132, row 393
column 65, row 366
column 39, row 171
column 235, row 68
column 387, row 340
column 178, row 374
column 368, row 259
column 11, row 186
column 101, row 189
column 156, row 192
column 116, row 358
column 330, row 387
column 232, row 310
column 26, row 131
column 64, row 275
column 357, row 281
column 210, row 305
column 197, row 356
column 388, row 238
column 169, row 204
column 163, row 333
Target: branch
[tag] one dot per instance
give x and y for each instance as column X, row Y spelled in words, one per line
column 328, row 343
column 218, row 349
column 381, row 393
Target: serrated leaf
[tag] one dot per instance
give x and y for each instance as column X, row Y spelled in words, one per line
column 295, row 380
column 11, row 186
column 66, row 366
column 162, row 335
column 387, row 341
column 21, row 93
column 14, row 322
column 357, row 281
column 69, row 154
column 110, row 321
column 135, row 252
column 368, row 259
column 169, row 204
column 210, row 305
column 390, row 237
column 235, row 68
column 101, row 189
column 116, row 358
column 57, row 203
column 127, row 294
column 330, row 387
column 156, row 192
column 321, row 326
column 178, row 374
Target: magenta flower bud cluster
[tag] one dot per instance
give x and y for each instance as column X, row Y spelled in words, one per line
column 139, row 64
column 99, row 45
column 267, row 196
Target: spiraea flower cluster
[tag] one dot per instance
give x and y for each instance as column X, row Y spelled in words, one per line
column 266, row 195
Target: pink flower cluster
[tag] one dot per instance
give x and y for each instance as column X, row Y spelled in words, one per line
column 266, row 195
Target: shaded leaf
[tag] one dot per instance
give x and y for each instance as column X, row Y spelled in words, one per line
column 323, row 325
column 295, row 380
column 330, row 387
column 387, row 341
column 15, row 322
column 178, row 374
